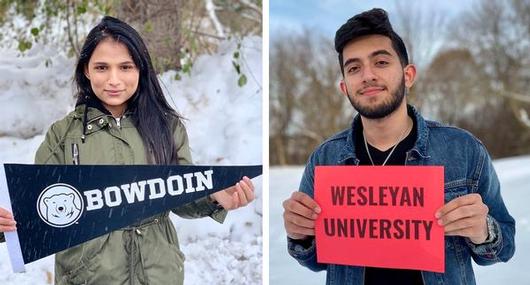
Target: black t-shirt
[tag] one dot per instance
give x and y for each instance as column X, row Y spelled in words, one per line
column 398, row 156
column 374, row 275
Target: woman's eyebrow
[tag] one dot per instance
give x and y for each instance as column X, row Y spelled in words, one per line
column 120, row 63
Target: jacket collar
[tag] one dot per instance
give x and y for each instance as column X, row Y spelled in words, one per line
column 98, row 119
column 94, row 113
column 419, row 149
column 422, row 136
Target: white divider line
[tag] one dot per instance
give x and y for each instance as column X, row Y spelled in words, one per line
column 13, row 244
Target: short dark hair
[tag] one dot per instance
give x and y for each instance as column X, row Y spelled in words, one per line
column 372, row 22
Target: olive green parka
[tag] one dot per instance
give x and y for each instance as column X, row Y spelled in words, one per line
column 146, row 253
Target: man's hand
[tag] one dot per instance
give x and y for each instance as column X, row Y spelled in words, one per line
column 236, row 196
column 465, row 216
column 300, row 213
column 7, row 223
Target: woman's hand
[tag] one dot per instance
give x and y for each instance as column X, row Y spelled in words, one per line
column 236, row 196
column 7, row 223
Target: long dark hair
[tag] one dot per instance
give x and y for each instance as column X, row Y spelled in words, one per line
column 150, row 112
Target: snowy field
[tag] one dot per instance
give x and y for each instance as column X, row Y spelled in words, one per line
column 514, row 174
column 224, row 126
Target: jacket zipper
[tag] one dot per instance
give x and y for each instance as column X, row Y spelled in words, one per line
column 118, row 122
column 75, row 154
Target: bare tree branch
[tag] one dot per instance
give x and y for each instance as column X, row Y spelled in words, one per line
column 210, row 7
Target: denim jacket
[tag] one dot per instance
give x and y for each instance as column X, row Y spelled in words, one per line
column 468, row 169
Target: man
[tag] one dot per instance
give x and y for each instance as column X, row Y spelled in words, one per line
column 376, row 75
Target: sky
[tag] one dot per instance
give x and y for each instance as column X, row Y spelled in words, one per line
column 326, row 16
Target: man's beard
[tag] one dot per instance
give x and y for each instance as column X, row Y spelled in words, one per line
column 383, row 109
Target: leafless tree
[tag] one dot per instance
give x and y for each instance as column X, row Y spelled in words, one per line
column 283, row 83
column 305, row 105
column 501, row 44
column 422, row 30
column 479, row 79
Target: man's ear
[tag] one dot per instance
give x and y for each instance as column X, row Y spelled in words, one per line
column 409, row 72
column 343, row 87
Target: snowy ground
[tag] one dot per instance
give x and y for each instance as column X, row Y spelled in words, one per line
column 514, row 174
column 224, row 126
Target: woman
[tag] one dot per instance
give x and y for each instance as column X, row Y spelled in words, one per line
column 122, row 117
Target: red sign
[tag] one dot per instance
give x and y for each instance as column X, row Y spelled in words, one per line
column 380, row 216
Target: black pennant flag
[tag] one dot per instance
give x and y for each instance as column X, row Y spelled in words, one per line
column 60, row 206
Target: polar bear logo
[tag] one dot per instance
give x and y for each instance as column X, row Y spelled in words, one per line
column 60, row 205
column 61, row 208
